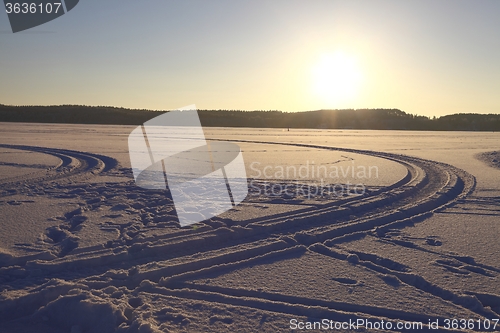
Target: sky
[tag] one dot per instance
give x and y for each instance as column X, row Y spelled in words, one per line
column 424, row 57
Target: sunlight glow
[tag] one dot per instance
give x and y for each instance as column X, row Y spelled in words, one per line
column 336, row 79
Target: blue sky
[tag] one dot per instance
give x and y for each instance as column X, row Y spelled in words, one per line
column 424, row 57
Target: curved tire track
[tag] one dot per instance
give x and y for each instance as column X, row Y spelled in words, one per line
column 427, row 187
column 72, row 163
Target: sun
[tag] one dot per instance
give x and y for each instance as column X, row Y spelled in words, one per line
column 336, row 79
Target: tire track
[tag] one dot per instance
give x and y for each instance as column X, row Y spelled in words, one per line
column 72, row 163
column 427, row 187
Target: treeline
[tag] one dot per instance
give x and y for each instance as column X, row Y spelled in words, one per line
column 390, row 119
column 75, row 114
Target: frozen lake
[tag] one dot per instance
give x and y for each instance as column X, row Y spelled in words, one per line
column 381, row 225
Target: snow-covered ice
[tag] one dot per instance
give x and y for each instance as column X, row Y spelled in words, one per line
column 338, row 225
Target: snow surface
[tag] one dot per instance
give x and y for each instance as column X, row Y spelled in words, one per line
column 83, row 249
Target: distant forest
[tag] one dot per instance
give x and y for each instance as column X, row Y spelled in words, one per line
column 383, row 119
